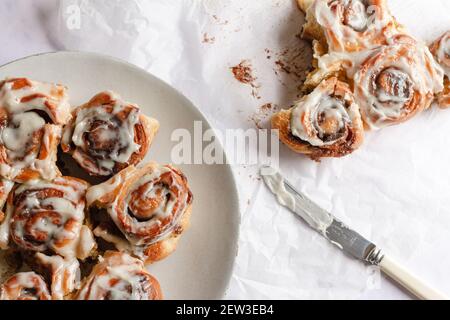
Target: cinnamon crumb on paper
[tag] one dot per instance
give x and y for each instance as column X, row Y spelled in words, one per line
column 263, row 113
column 291, row 61
column 208, row 39
column 243, row 73
column 219, row 21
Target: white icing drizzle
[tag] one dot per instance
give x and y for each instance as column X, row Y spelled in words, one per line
column 86, row 243
column 63, row 233
column 164, row 210
column 318, row 220
column 152, row 190
column 21, row 160
column 405, row 68
column 5, row 189
column 145, row 209
column 322, row 119
column 16, row 136
column 48, row 94
column 354, row 24
column 28, row 142
column 18, row 287
column 415, row 68
column 96, row 192
column 122, row 133
column 119, row 242
column 304, row 119
column 350, row 61
column 119, row 277
column 441, row 51
column 65, row 274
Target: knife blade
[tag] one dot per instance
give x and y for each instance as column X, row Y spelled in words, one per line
column 321, row 220
column 342, row 236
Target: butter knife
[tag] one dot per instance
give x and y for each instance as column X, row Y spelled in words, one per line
column 343, row 237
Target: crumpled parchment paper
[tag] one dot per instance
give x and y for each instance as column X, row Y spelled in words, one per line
column 395, row 190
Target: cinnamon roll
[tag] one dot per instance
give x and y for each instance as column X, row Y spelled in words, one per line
column 5, row 188
column 441, row 51
column 348, row 25
column 325, row 123
column 108, row 134
column 396, row 82
column 31, row 116
column 119, row 276
column 63, row 274
column 25, row 286
column 48, row 217
column 149, row 206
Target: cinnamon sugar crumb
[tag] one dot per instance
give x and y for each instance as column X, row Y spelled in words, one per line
column 263, row 113
column 243, row 73
column 219, row 21
column 208, row 39
column 293, row 60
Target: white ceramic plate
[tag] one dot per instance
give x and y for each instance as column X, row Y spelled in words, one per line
column 202, row 264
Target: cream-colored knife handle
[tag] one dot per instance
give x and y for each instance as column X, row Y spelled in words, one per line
column 410, row 282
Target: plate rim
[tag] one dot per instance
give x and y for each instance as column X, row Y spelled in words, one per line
column 193, row 108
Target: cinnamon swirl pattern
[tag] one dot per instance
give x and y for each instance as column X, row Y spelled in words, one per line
column 42, row 213
column 326, row 123
column 393, row 76
column 108, row 134
column 31, row 116
column 48, row 216
column 150, row 206
column 396, row 82
column 441, row 51
column 349, row 25
column 25, row 286
column 119, row 276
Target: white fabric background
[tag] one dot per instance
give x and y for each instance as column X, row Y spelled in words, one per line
column 395, row 190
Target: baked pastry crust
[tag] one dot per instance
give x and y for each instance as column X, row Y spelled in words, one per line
column 31, row 116
column 396, row 82
column 392, row 75
column 25, row 286
column 441, row 51
column 5, row 189
column 62, row 274
column 349, row 26
column 119, row 276
column 44, row 225
column 108, row 134
column 150, row 206
column 329, row 118
column 48, row 217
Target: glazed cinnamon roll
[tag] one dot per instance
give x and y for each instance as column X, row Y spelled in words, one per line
column 108, row 134
column 441, row 51
column 48, row 217
column 326, row 123
column 119, row 276
column 150, row 207
column 348, row 25
column 396, row 82
column 31, row 116
column 63, row 274
column 5, row 188
column 25, row 286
